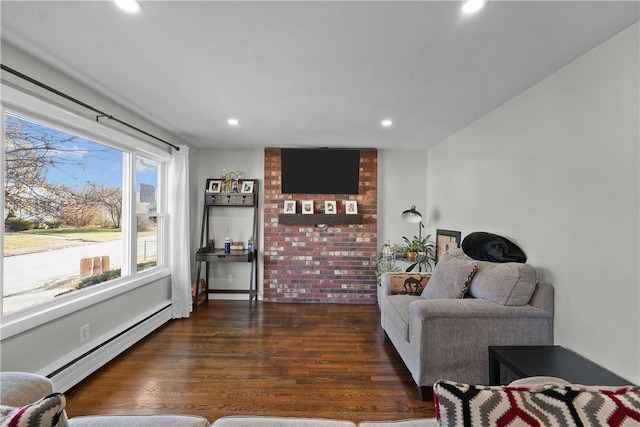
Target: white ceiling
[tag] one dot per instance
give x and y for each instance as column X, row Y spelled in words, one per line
column 304, row 73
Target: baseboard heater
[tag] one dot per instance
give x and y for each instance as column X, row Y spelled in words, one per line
column 81, row 367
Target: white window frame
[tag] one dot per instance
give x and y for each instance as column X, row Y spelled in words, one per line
column 19, row 102
column 161, row 214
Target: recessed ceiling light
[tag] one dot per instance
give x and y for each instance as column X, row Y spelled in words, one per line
column 387, row 122
column 472, row 6
column 233, row 122
column 129, row 6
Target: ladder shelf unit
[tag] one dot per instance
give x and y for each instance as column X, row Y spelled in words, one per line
column 221, row 194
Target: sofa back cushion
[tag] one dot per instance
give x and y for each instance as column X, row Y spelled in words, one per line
column 509, row 283
column 542, row 405
column 450, row 278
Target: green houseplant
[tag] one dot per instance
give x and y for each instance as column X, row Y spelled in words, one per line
column 425, row 250
column 386, row 261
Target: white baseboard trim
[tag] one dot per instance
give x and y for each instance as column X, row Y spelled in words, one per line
column 231, row 297
column 86, row 364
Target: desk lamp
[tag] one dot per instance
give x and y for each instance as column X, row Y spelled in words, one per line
column 414, row 217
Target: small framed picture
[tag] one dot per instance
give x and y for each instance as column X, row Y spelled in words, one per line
column 247, row 187
column 330, row 207
column 289, row 206
column 351, row 206
column 445, row 240
column 226, row 186
column 307, row 206
column 214, row 186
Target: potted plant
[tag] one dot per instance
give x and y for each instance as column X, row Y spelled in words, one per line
column 420, row 251
column 387, row 261
column 411, row 248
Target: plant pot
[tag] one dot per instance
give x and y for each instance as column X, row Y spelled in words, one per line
column 412, row 256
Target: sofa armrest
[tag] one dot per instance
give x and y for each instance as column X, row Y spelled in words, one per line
column 439, row 329
column 385, row 285
column 21, row 388
column 472, row 308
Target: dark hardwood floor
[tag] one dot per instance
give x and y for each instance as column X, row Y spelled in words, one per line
column 313, row 360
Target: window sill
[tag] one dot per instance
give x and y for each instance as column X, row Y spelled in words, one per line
column 24, row 320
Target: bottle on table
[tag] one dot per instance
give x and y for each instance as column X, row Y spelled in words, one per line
column 227, row 243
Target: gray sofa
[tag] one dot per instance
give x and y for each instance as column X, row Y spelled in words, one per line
column 440, row 335
column 19, row 389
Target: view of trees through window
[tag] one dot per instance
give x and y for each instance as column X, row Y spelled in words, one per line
column 64, row 213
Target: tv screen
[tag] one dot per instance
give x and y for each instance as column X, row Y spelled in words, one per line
column 320, row 171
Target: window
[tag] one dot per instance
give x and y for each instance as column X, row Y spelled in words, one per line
column 83, row 207
column 147, row 215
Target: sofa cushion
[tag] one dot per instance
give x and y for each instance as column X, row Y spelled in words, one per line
column 418, row 422
column 46, row 412
column 450, row 278
column 257, row 421
column 542, row 405
column 508, row 283
column 401, row 317
column 139, row 421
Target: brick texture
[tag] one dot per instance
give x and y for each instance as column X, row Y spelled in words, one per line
column 320, row 265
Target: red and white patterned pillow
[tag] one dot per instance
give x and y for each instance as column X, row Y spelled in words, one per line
column 541, row 405
column 46, row 412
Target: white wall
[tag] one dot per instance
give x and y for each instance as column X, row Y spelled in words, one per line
column 557, row 170
column 402, row 182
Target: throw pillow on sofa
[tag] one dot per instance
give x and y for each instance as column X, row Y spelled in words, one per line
column 459, row 404
column 510, row 283
column 46, row 412
column 450, row 278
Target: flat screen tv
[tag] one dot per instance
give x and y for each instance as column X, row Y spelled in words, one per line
column 320, row 171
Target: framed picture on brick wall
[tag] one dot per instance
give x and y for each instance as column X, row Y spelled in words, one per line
column 330, row 207
column 307, row 206
column 351, row 207
column 289, row 206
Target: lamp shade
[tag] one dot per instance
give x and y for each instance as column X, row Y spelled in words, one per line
column 412, row 215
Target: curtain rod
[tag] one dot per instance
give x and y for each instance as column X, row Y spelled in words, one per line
column 87, row 106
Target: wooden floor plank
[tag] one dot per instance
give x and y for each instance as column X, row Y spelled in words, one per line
column 312, row 360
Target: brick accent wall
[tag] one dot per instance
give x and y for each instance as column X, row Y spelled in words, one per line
column 306, row 264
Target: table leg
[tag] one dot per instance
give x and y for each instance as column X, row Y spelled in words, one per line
column 494, row 371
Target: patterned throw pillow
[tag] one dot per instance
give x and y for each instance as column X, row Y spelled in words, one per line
column 450, row 278
column 542, row 405
column 46, row 412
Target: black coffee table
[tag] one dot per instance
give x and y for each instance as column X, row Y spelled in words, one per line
column 549, row 360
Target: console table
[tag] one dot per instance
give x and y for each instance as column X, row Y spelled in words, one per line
column 549, row 360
